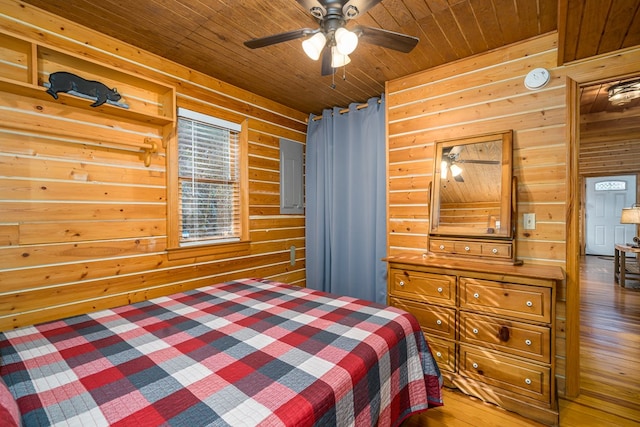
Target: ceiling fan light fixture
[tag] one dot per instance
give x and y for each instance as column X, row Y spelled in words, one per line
column 338, row 59
column 455, row 170
column 346, row 41
column 351, row 12
column 331, row 41
column 624, row 93
column 317, row 12
column 622, row 97
column 313, row 45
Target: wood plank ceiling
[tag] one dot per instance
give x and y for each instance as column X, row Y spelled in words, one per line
column 208, row 36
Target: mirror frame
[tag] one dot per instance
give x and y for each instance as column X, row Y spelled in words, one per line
column 506, row 190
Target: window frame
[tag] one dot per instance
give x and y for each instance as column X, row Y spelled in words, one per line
column 206, row 248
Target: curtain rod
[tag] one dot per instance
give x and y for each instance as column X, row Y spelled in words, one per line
column 346, row 110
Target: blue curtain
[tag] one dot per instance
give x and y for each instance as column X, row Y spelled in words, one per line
column 346, row 202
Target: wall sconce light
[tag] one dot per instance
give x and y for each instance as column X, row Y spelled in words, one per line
column 631, row 216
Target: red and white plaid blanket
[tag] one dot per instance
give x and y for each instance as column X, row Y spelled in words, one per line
column 247, row 352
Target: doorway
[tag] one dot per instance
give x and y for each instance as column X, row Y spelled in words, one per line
column 604, row 199
column 610, row 131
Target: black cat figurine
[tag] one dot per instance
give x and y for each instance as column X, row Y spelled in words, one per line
column 63, row 81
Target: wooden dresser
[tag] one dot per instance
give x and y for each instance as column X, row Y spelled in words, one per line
column 491, row 327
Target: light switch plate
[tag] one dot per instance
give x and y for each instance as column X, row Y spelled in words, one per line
column 529, row 221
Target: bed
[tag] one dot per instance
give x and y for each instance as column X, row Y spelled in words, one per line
column 241, row 353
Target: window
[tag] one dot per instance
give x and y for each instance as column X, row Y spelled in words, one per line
column 611, row 185
column 206, row 194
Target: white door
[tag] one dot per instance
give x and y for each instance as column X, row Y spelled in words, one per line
column 605, row 198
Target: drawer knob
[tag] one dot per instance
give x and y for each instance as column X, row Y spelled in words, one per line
column 475, row 365
column 475, row 331
column 442, row 247
column 440, row 290
column 438, row 322
column 467, row 248
column 529, row 304
column 401, row 283
column 494, row 250
column 527, row 381
column 476, row 295
column 438, row 354
column 527, row 342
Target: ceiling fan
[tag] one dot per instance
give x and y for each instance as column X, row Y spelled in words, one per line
column 451, row 161
column 331, row 39
column 623, row 93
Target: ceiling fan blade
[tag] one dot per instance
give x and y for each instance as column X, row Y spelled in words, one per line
column 384, row 38
column 327, row 69
column 279, row 38
column 480, row 162
column 361, row 7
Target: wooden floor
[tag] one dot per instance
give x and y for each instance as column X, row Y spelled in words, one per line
column 609, row 364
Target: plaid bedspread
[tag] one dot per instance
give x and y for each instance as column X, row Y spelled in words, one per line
column 243, row 353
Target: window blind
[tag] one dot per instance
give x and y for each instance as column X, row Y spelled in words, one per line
column 208, row 177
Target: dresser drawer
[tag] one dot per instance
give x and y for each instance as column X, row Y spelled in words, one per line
column 428, row 287
column 444, row 352
column 521, row 378
column 508, row 299
column 521, row 339
column 433, row 320
column 471, row 247
column 497, row 250
column 468, row 248
column 441, row 246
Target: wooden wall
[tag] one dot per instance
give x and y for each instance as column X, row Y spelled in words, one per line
column 485, row 94
column 474, row 214
column 475, row 96
column 481, row 95
column 610, row 142
column 84, row 226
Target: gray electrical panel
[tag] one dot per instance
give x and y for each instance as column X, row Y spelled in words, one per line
column 291, row 177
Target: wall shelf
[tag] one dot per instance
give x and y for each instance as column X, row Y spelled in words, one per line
column 29, row 64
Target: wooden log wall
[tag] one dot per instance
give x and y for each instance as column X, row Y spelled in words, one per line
column 610, row 143
column 83, row 224
column 477, row 215
column 474, row 96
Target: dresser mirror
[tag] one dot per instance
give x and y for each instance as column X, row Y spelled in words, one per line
column 472, row 187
